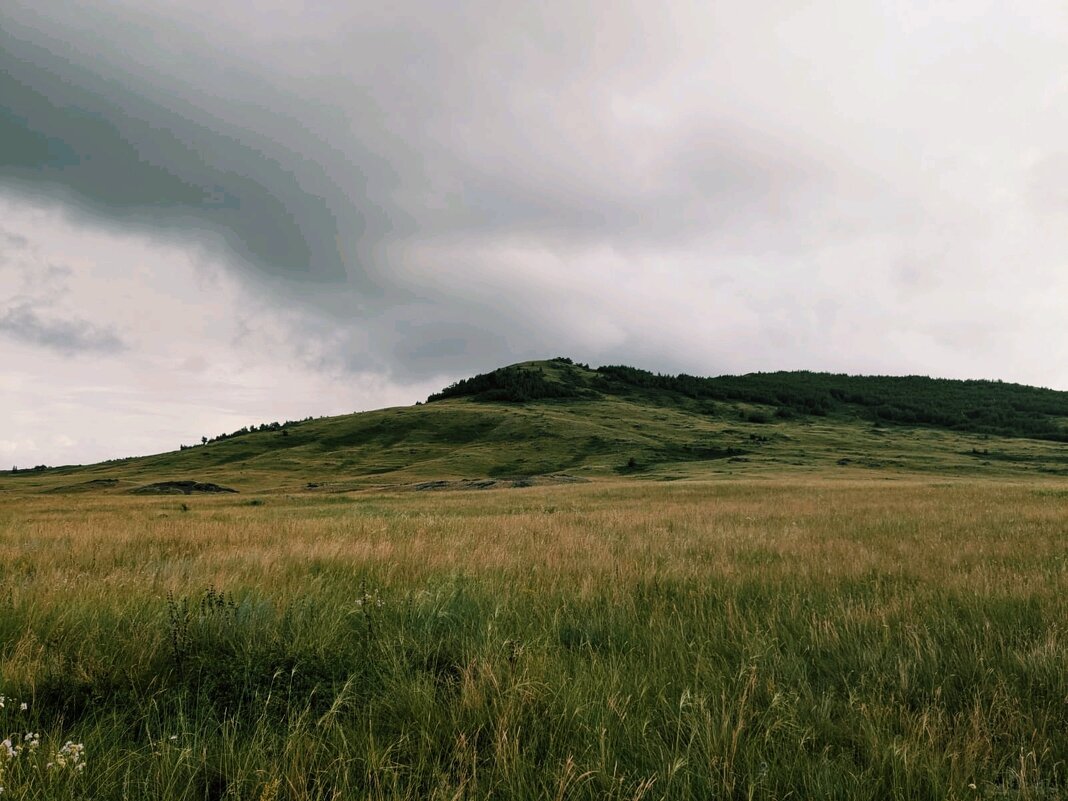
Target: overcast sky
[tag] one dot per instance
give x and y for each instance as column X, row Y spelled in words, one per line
column 212, row 216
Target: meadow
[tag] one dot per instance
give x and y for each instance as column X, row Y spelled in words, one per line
column 753, row 638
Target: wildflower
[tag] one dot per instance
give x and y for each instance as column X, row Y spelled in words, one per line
column 370, row 599
column 71, row 755
column 23, row 706
column 8, row 750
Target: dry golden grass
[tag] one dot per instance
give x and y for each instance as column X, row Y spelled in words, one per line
column 979, row 535
column 760, row 638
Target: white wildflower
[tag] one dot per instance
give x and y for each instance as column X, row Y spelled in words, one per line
column 71, row 755
column 23, row 706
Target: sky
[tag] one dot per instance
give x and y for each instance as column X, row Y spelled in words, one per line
column 213, row 216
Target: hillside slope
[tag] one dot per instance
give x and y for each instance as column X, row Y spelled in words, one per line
column 555, row 417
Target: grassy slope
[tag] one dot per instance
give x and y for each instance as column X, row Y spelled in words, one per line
column 668, row 435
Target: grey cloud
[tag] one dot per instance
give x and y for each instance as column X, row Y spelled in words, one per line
column 23, row 322
column 13, row 241
column 423, row 130
column 423, row 125
column 384, row 172
column 111, row 148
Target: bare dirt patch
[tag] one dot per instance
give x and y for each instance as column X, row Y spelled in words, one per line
column 515, row 482
column 179, row 488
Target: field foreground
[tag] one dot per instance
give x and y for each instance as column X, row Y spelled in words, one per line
column 614, row 640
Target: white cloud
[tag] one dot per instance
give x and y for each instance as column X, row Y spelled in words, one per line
column 205, row 353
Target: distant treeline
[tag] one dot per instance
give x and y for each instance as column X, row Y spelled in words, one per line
column 275, row 426
column 983, row 407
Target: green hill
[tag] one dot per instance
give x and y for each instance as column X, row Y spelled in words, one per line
column 558, row 420
column 981, row 407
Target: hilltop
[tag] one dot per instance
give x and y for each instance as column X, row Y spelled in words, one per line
column 558, row 420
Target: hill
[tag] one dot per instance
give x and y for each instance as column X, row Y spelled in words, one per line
column 982, row 407
column 558, row 420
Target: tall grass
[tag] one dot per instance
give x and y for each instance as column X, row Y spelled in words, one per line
column 621, row 641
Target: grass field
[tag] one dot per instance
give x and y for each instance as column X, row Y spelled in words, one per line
column 802, row 637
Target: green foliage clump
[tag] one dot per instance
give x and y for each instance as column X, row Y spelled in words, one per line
column 510, row 384
column 982, row 407
column 275, row 426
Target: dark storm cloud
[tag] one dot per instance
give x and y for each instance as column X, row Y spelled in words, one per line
column 469, row 129
column 113, row 148
column 422, row 145
column 437, row 187
column 25, row 323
